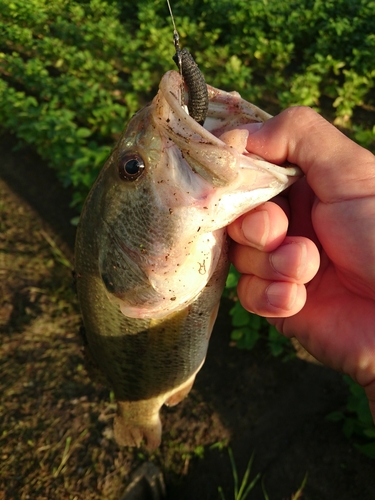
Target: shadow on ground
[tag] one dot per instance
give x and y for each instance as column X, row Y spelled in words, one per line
column 56, row 436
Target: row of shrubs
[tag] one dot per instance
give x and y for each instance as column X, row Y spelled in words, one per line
column 73, row 72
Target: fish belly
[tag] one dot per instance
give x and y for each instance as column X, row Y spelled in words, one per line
column 147, row 362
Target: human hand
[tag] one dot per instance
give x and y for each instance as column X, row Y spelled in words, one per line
column 308, row 260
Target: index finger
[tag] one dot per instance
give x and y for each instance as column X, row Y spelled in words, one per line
column 336, row 167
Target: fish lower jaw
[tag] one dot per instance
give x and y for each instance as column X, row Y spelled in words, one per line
column 170, row 297
column 175, row 287
column 166, row 304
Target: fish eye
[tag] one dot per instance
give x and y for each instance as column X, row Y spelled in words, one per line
column 131, row 167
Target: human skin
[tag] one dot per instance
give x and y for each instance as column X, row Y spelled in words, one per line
column 307, row 258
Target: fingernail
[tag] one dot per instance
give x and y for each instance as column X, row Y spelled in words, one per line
column 255, row 227
column 288, row 259
column 253, row 127
column 281, row 295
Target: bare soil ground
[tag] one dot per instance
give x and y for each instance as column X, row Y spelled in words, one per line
column 56, row 437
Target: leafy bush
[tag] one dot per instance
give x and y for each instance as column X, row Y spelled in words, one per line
column 357, row 422
column 73, row 72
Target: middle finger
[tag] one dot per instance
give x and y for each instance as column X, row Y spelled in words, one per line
column 297, row 260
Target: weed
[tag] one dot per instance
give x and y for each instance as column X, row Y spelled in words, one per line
column 357, row 422
column 56, row 251
column 241, row 491
column 295, row 496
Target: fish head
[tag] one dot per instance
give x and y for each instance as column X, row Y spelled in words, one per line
column 165, row 195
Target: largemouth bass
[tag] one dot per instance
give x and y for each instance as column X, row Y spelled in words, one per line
column 151, row 249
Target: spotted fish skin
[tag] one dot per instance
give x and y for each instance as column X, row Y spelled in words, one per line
column 151, row 248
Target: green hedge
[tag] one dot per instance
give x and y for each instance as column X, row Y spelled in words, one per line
column 73, row 72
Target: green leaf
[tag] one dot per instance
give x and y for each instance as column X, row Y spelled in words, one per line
column 348, row 427
column 240, row 317
column 335, row 416
column 245, row 337
column 367, row 449
column 277, row 342
column 236, row 334
column 232, row 278
column 370, row 432
column 83, row 132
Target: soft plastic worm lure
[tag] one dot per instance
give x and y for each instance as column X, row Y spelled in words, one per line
column 193, row 78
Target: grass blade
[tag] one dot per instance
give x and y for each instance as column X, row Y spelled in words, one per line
column 265, row 494
column 221, row 493
column 234, row 472
column 244, row 492
column 250, row 487
column 297, row 494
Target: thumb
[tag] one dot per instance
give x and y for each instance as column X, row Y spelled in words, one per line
column 336, row 168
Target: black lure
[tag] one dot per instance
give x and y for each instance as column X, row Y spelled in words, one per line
column 193, row 78
column 195, row 82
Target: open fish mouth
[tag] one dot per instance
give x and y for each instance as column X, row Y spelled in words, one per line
column 199, row 144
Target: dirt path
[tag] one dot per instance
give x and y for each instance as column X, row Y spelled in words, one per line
column 55, row 424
